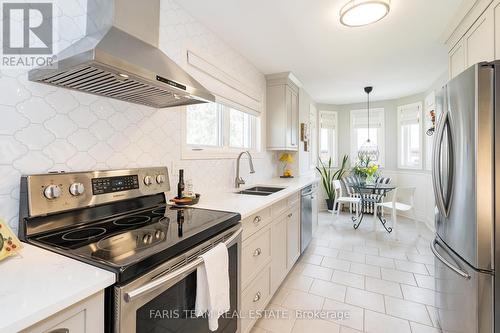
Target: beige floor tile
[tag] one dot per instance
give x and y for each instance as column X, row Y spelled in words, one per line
column 380, row 261
column 388, row 288
column 355, row 316
column 314, row 259
column 364, row 269
column 336, row 263
column 345, row 329
column 431, row 269
column 328, row 289
column 325, row 251
column 398, row 276
column 380, row 323
column 394, row 254
column 316, row 326
column 407, row 310
column 298, row 282
column 349, row 279
column 419, row 295
column 277, row 325
column 365, row 299
column 279, row 295
column 419, row 328
column 299, row 300
column 317, row 272
column 320, row 242
column 433, row 314
column 366, row 250
column 412, row 267
column 352, row 256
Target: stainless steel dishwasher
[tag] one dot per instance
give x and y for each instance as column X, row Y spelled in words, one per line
column 308, row 214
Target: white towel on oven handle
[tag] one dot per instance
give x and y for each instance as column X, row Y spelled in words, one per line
column 212, row 285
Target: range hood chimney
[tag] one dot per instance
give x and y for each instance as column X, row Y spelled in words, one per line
column 119, row 58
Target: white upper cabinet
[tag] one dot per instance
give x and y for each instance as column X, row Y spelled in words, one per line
column 478, row 42
column 282, row 112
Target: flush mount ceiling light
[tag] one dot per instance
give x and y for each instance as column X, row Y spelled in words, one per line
column 357, row 13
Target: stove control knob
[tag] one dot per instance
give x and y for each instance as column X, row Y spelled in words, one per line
column 76, row 189
column 147, row 238
column 52, row 192
column 148, row 180
column 158, row 234
column 160, row 179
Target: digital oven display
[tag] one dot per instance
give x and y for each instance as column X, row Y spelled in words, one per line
column 114, row 184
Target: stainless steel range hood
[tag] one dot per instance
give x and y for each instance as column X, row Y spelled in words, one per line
column 119, row 58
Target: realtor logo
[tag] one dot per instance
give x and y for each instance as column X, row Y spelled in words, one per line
column 27, row 34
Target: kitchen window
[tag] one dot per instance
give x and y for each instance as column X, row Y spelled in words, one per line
column 359, row 132
column 410, row 136
column 328, row 136
column 217, row 130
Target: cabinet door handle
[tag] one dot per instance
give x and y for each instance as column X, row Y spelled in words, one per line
column 257, row 297
column 257, row 220
column 60, row 330
column 257, row 252
column 290, row 215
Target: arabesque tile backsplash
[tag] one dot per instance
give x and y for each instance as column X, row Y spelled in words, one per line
column 44, row 128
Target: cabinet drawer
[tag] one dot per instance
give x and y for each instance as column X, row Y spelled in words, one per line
column 256, row 253
column 255, row 222
column 254, row 298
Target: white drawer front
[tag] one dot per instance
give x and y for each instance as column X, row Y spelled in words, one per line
column 255, row 222
column 256, row 253
column 255, row 298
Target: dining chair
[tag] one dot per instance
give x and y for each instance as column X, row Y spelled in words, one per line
column 340, row 199
column 402, row 200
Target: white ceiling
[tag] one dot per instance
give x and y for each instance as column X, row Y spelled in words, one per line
column 401, row 55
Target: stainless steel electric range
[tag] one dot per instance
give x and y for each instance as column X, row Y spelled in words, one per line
column 119, row 220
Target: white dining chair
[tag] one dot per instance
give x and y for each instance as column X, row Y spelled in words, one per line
column 340, row 199
column 402, row 200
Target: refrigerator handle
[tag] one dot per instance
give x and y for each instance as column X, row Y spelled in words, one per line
column 457, row 270
column 438, row 193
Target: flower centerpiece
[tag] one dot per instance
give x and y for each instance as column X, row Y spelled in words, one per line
column 366, row 170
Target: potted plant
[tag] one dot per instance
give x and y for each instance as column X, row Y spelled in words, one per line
column 328, row 176
column 365, row 170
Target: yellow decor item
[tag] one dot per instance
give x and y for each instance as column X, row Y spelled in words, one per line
column 286, row 158
column 9, row 243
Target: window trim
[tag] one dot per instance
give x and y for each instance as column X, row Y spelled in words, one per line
column 200, row 152
column 420, row 132
column 335, row 147
column 381, row 141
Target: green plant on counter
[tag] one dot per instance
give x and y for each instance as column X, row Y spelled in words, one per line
column 328, row 175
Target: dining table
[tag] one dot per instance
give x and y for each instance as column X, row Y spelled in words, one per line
column 370, row 194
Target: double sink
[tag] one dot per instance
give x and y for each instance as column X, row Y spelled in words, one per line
column 260, row 190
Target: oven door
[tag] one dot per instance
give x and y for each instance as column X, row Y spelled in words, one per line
column 163, row 300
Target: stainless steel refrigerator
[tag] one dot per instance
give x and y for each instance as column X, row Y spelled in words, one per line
column 466, row 146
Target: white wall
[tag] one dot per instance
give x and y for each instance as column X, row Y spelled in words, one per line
column 44, row 128
column 421, row 179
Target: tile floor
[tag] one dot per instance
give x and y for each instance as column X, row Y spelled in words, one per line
column 383, row 285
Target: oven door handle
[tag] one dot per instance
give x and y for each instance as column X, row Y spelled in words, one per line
column 133, row 294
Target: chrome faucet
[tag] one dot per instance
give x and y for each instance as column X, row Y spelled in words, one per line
column 239, row 181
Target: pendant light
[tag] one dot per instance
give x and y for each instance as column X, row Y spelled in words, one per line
column 368, row 150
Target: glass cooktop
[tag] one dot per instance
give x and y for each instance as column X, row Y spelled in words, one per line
column 124, row 240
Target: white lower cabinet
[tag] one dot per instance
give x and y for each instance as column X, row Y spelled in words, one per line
column 86, row 316
column 278, row 252
column 293, row 237
column 270, row 248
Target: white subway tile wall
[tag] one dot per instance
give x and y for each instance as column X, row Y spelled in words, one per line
column 44, row 128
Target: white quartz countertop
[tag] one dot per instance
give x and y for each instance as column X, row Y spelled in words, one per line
column 38, row 283
column 247, row 205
